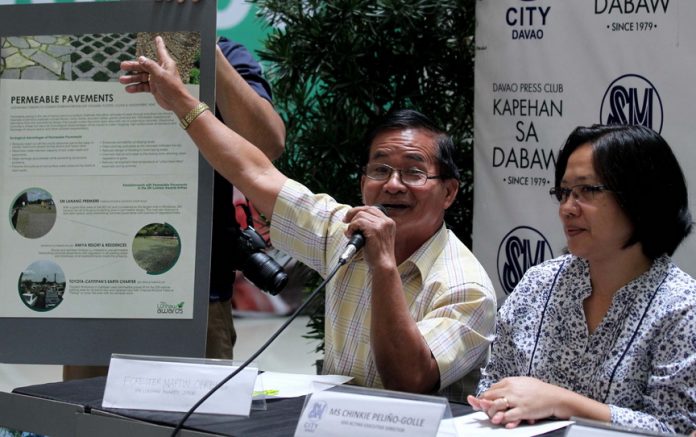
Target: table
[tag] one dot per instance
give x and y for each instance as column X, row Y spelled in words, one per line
column 73, row 408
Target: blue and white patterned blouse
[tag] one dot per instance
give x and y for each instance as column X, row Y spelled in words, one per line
column 640, row 360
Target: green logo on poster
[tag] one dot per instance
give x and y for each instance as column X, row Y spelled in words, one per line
column 167, row 308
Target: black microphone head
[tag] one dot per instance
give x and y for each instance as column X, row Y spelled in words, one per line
column 381, row 208
column 357, row 240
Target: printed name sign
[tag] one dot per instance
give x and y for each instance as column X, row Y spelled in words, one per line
column 330, row 413
column 177, row 386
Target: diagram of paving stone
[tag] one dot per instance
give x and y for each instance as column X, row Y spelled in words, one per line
column 94, row 57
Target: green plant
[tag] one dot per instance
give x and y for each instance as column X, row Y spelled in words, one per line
column 195, row 73
column 337, row 66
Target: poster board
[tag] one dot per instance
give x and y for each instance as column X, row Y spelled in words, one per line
column 47, row 337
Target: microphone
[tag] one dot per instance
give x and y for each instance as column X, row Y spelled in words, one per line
column 357, row 241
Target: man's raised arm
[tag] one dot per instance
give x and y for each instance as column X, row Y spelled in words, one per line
column 239, row 161
column 245, row 111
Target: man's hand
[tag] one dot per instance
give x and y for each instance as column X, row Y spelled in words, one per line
column 161, row 79
column 379, row 232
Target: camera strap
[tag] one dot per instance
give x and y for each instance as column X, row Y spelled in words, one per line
column 247, row 212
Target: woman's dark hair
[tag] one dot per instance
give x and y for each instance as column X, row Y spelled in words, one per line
column 638, row 166
column 411, row 119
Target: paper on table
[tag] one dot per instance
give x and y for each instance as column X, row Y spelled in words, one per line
column 477, row 424
column 447, row 428
column 292, row 385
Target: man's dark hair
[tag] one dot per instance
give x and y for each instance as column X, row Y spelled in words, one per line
column 640, row 169
column 410, row 119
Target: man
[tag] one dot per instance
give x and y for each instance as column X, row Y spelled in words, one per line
column 243, row 100
column 415, row 311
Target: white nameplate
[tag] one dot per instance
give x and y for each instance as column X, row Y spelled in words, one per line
column 330, row 413
column 177, row 386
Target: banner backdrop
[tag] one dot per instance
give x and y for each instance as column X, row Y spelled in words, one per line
column 544, row 67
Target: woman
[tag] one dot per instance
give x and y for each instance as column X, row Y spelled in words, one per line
column 608, row 331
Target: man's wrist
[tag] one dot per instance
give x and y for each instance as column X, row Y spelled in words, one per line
column 384, row 268
column 192, row 115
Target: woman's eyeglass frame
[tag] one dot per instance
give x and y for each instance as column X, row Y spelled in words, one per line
column 581, row 193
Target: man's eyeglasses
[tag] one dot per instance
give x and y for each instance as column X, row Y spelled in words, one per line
column 582, row 193
column 408, row 176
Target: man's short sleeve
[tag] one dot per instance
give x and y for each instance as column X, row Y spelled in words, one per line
column 243, row 61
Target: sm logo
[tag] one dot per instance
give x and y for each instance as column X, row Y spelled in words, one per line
column 632, row 99
column 521, row 248
column 317, row 410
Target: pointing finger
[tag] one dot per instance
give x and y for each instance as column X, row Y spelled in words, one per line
column 162, row 53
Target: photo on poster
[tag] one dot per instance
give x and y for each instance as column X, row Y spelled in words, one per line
column 42, row 285
column 156, row 248
column 33, row 213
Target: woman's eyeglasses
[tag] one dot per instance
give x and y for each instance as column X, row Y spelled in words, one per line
column 583, row 193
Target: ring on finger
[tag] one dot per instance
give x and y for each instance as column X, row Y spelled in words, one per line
column 507, row 404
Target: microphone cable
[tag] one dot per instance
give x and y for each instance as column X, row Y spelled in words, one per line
column 342, row 261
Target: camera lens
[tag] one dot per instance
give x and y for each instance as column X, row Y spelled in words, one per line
column 267, row 274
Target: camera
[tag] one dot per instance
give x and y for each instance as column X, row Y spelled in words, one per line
column 251, row 259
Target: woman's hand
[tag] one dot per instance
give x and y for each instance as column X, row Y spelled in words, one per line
column 512, row 400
